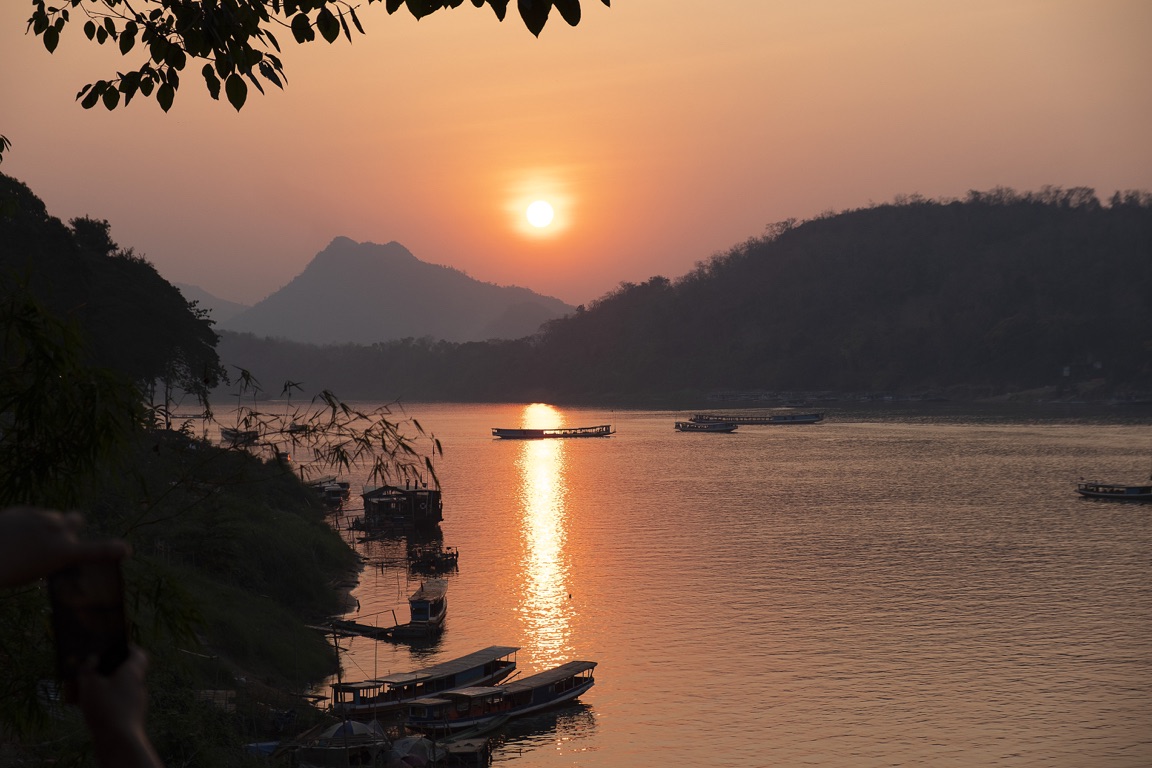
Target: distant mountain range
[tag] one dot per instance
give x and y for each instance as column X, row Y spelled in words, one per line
column 221, row 310
column 364, row 293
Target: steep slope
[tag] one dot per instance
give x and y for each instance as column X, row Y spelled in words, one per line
column 365, row 293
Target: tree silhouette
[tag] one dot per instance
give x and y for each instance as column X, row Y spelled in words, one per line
column 237, row 39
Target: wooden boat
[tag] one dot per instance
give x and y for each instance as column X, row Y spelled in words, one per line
column 345, row 743
column 392, row 693
column 478, row 706
column 434, row 559
column 411, row 505
column 603, row 430
column 429, row 607
column 768, row 418
column 1115, row 491
column 705, row 426
column 237, row 437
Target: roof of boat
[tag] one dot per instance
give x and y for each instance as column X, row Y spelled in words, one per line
column 549, row 676
column 433, row 589
column 443, row 669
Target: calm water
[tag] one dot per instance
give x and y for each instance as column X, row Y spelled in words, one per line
column 882, row 589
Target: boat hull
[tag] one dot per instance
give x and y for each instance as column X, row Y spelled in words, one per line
column 603, row 430
column 1115, row 492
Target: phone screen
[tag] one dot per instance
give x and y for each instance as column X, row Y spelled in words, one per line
column 88, row 618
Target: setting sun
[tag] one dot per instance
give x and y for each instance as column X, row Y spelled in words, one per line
column 539, row 213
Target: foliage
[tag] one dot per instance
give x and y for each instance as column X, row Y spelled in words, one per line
column 232, row 555
column 996, row 293
column 237, row 39
column 134, row 321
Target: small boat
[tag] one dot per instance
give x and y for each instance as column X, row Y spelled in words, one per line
column 705, row 426
column 478, row 706
column 237, row 437
column 429, row 608
column 603, row 430
column 1115, row 491
column 768, row 418
column 345, row 743
column 434, row 560
column 414, row 504
column 392, row 693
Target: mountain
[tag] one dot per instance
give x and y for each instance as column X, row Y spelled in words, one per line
column 221, row 310
column 1001, row 293
column 365, row 293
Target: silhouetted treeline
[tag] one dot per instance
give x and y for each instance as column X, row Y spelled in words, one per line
column 999, row 292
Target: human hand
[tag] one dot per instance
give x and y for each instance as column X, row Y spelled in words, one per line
column 114, row 707
column 37, row 542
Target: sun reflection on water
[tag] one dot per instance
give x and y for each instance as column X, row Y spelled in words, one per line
column 544, row 603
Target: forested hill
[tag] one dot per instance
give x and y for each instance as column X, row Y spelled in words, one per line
column 998, row 293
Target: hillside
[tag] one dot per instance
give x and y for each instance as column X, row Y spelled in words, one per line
column 219, row 310
column 366, row 293
column 995, row 294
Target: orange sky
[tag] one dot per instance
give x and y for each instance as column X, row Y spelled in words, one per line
column 663, row 131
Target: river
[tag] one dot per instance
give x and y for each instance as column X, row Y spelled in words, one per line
column 891, row 587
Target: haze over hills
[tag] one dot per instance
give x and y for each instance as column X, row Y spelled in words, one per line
column 220, row 310
column 365, row 293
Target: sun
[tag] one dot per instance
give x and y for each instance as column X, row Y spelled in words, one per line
column 540, row 214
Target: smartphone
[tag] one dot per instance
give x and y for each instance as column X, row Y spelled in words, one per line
column 88, row 619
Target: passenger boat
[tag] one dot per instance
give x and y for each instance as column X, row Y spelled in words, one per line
column 603, row 430
column 1115, row 491
column 429, row 607
column 706, row 426
column 392, row 693
column 478, row 706
column 768, row 418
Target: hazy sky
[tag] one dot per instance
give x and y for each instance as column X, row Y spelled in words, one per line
column 663, row 131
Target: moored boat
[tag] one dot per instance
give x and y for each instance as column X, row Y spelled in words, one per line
column 767, row 418
column 391, row 693
column 479, row 706
column 602, row 430
column 705, row 426
column 1116, row 491
column 429, row 607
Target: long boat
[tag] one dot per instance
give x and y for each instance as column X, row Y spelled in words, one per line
column 1116, row 491
column 770, row 418
column 603, row 430
column 392, row 693
column 706, row 426
column 478, row 706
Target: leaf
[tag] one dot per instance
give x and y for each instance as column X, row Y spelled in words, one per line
column 393, row 5
column 500, row 7
column 165, row 94
column 101, row 35
column 534, row 13
column 51, row 39
column 146, row 86
column 111, row 98
column 302, row 28
column 110, row 27
column 328, row 25
column 92, row 97
column 211, row 81
column 344, row 26
column 269, row 73
column 356, row 21
column 126, row 42
column 237, row 90
column 90, row 29
column 569, row 10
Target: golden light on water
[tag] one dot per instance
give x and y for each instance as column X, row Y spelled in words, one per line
column 544, row 597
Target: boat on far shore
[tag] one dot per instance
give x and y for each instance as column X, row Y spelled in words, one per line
column 1114, row 491
column 602, row 430
column 767, row 418
column 706, row 426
